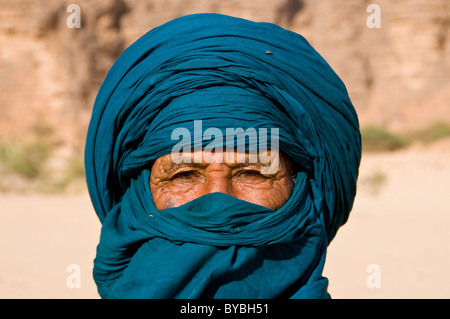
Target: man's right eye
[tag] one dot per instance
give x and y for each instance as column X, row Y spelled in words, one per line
column 188, row 175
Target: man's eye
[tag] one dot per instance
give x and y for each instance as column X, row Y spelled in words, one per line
column 250, row 174
column 185, row 175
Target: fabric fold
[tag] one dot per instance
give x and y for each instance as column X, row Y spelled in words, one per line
column 227, row 72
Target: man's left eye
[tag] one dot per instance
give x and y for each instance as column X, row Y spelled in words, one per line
column 250, row 174
column 185, row 175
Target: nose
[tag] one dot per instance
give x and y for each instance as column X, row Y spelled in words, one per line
column 218, row 181
column 217, row 184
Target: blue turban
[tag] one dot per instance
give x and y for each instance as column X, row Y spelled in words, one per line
column 227, row 72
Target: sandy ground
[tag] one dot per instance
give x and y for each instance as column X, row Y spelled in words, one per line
column 395, row 244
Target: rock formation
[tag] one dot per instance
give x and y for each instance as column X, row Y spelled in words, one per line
column 396, row 74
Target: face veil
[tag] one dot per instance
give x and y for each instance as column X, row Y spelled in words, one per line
column 227, row 72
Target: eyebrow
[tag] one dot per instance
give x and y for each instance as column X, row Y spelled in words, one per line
column 172, row 167
column 175, row 166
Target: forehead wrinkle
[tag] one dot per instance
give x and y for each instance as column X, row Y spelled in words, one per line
column 169, row 166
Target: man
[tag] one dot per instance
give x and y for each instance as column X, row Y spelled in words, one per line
column 221, row 158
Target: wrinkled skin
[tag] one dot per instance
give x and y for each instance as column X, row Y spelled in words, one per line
column 174, row 184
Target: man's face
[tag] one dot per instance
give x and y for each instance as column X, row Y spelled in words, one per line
column 173, row 184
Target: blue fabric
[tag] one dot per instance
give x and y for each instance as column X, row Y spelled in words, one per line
column 227, row 72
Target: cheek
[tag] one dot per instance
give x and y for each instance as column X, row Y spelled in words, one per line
column 173, row 196
column 257, row 193
column 271, row 194
column 168, row 202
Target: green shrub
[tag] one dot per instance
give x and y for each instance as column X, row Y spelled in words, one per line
column 434, row 132
column 377, row 139
column 27, row 160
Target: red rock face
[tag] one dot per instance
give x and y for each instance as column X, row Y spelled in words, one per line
column 396, row 75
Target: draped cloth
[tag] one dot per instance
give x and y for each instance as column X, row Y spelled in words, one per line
column 227, row 72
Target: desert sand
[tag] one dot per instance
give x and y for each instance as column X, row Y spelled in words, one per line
column 399, row 223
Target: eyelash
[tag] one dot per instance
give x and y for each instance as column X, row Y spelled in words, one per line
column 190, row 174
column 250, row 172
column 186, row 174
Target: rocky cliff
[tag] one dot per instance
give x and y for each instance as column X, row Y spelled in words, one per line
column 396, row 73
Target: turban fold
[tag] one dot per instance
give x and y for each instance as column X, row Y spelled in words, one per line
column 227, row 72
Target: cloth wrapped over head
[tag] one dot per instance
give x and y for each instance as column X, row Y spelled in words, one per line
column 229, row 73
